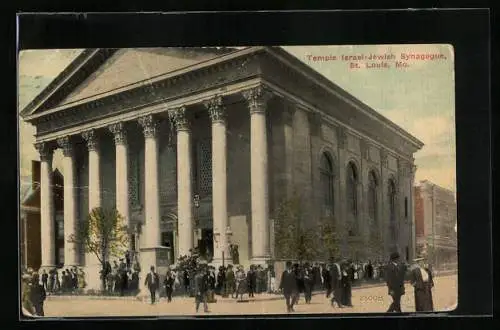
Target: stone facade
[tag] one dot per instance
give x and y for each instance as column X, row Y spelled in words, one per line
column 209, row 152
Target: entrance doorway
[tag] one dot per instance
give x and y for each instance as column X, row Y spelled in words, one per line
column 206, row 244
column 167, row 240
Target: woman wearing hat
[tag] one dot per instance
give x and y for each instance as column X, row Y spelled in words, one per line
column 25, row 294
column 37, row 295
column 421, row 279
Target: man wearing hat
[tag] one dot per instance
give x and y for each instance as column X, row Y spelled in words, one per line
column 201, row 287
column 289, row 286
column 395, row 276
column 307, row 277
column 421, row 279
column 152, row 282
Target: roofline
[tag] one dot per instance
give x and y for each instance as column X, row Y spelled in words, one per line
column 330, row 86
column 277, row 51
column 150, row 80
column 85, row 57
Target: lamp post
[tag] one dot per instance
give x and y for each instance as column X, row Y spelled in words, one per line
column 196, row 203
column 228, row 234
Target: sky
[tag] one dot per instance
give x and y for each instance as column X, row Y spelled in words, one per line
column 419, row 96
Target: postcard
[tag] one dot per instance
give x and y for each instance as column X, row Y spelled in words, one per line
column 237, row 180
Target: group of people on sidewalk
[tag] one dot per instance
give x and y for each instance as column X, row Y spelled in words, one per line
column 338, row 277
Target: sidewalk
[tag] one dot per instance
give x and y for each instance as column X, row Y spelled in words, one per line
column 258, row 297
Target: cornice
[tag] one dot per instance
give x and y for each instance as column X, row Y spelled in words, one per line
column 188, row 83
column 337, row 106
column 286, row 59
column 77, row 71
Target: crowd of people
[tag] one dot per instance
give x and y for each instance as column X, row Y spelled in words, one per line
column 195, row 278
column 122, row 278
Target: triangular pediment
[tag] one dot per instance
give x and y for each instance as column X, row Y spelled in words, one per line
column 129, row 66
column 97, row 71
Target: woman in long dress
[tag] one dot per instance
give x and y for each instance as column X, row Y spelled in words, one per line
column 422, row 281
column 241, row 282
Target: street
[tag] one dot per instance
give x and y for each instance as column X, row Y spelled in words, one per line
column 365, row 300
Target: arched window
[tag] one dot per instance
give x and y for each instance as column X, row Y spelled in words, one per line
column 352, row 183
column 372, row 196
column 327, row 189
column 391, row 196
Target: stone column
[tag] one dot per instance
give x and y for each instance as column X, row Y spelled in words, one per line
column 121, row 168
column 384, row 201
column 70, row 249
column 342, row 222
column 411, row 208
column 47, row 206
column 184, row 185
column 91, row 262
column 257, row 100
column 152, row 254
column 152, row 235
column 219, row 178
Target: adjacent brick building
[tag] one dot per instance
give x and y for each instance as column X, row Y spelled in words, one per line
column 435, row 223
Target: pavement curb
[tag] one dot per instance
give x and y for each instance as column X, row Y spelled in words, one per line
column 267, row 297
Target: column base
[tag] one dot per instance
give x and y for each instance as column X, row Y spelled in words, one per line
column 158, row 257
column 47, row 268
column 264, row 260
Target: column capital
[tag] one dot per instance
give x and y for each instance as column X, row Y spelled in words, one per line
column 46, row 151
column 149, row 126
column 257, row 98
column 365, row 149
column 92, row 139
column 384, row 157
column 216, row 109
column 178, row 116
column 288, row 112
column 67, row 145
column 342, row 137
column 119, row 133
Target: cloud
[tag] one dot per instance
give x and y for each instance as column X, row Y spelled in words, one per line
column 445, row 176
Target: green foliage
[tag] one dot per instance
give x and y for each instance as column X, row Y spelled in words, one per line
column 104, row 234
column 286, row 232
column 376, row 244
column 328, row 238
column 293, row 241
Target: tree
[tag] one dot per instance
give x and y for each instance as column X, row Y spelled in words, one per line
column 306, row 244
column 328, row 238
column 287, row 217
column 104, row 234
column 376, row 244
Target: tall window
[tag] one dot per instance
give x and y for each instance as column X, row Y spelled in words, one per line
column 372, row 196
column 392, row 208
column 352, row 183
column 406, row 207
column 327, row 189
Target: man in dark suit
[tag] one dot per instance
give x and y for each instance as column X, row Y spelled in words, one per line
column 289, row 286
column 201, row 287
column 45, row 278
column 169, row 285
column 152, row 283
column 307, row 277
column 325, row 273
column 395, row 277
column 346, row 282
